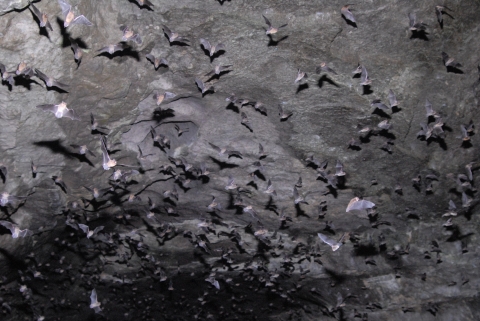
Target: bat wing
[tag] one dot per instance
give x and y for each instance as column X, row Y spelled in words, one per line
column 267, row 21
column 360, row 205
column 215, row 147
column 392, row 98
column 169, row 95
column 8, row 225
column 26, row 232
column 84, row 228
column 167, row 31
column 70, row 114
column 93, row 298
column 163, row 61
column 411, row 17
column 41, row 75
column 48, row 107
column 445, row 57
column 348, row 15
column 98, row 229
column 60, row 85
column 326, row 239
column 200, row 84
column 81, row 20
column 206, row 44
column 150, row 57
column 220, row 47
column 103, row 146
column 439, row 14
column 37, row 12
column 364, row 75
column 65, row 7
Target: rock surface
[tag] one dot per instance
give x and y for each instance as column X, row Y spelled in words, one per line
column 397, row 262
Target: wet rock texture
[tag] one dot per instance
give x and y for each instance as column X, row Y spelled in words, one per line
column 260, row 256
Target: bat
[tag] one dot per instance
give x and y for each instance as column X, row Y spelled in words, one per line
column 94, row 124
column 157, row 62
column 159, row 98
column 89, row 232
column 59, row 181
column 339, row 169
column 159, row 139
column 231, row 183
column 204, row 87
column 82, row 149
column 439, row 10
column 171, row 193
column 377, row 103
column 300, row 75
column 111, row 49
column 414, row 25
column 107, row 161
column 94, row 304
column 77, row 51
column 224, row 151
column 452, row 209
column 245, row 121
column 261, row 152
column 213, row 282
column 359, row 204
column 270, row 189
column 297, row 198
column 15, row 230
column 334, row 244
column 218, row 70
column 7, row 76
column 50, row 82
column 392, row 99
column 347, row 13
column 283, row 114
column 23, row 69
column 42, row 17
column 59, row 110
column 466, row 201
column 384, row 125
column 450, row 61
column 129, row 35
column 272, row 30
column 180, row 131
column 212, row 49
column 69, row 16
column 364, row 77
column 214, row 205
column 323, row 67
column 173, row 36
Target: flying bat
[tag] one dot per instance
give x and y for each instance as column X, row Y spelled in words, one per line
column 272, row 30
column 283, row 115
column 89, row 232
column 392, row 99
column 300, row 75
column 24, row 70
column 377, row 103
column 59, row 181
column 270, row 189
column 107, row 161
column 231, row 183
column 129, row 35
column 173, row 36
column 77, row 51
column 69, row 16
column 111, row 49
column 204, row 87
column 347, row 13
column 297, row 198
column 384, row 125
column 323, row 67
column 364, row 77
column 359, row 204
column 334, row 244
column 7, row 76
column 83, row 149
column 157, row 62
column 49, row 81
column 59, row 110
column 339, row 169
column 414, row 25
column 245, row 121
column 94, row 124
column 94, row 304
column 218, row 70
column 212, row 49
column 224, row 151
column 439, row 10
column 450, row 61
column 42, row 17
column 15, row 230
column 159, row 98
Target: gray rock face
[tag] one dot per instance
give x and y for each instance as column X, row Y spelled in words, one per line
column 163, row 256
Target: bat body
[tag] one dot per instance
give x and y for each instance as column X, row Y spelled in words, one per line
column 272, row 30
column 347, row 13
column 173, row 36
column 212, row 49
column 159, row 98
column 107, row 161
column 89, row 232
column 130, row 35
column 157, row 62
